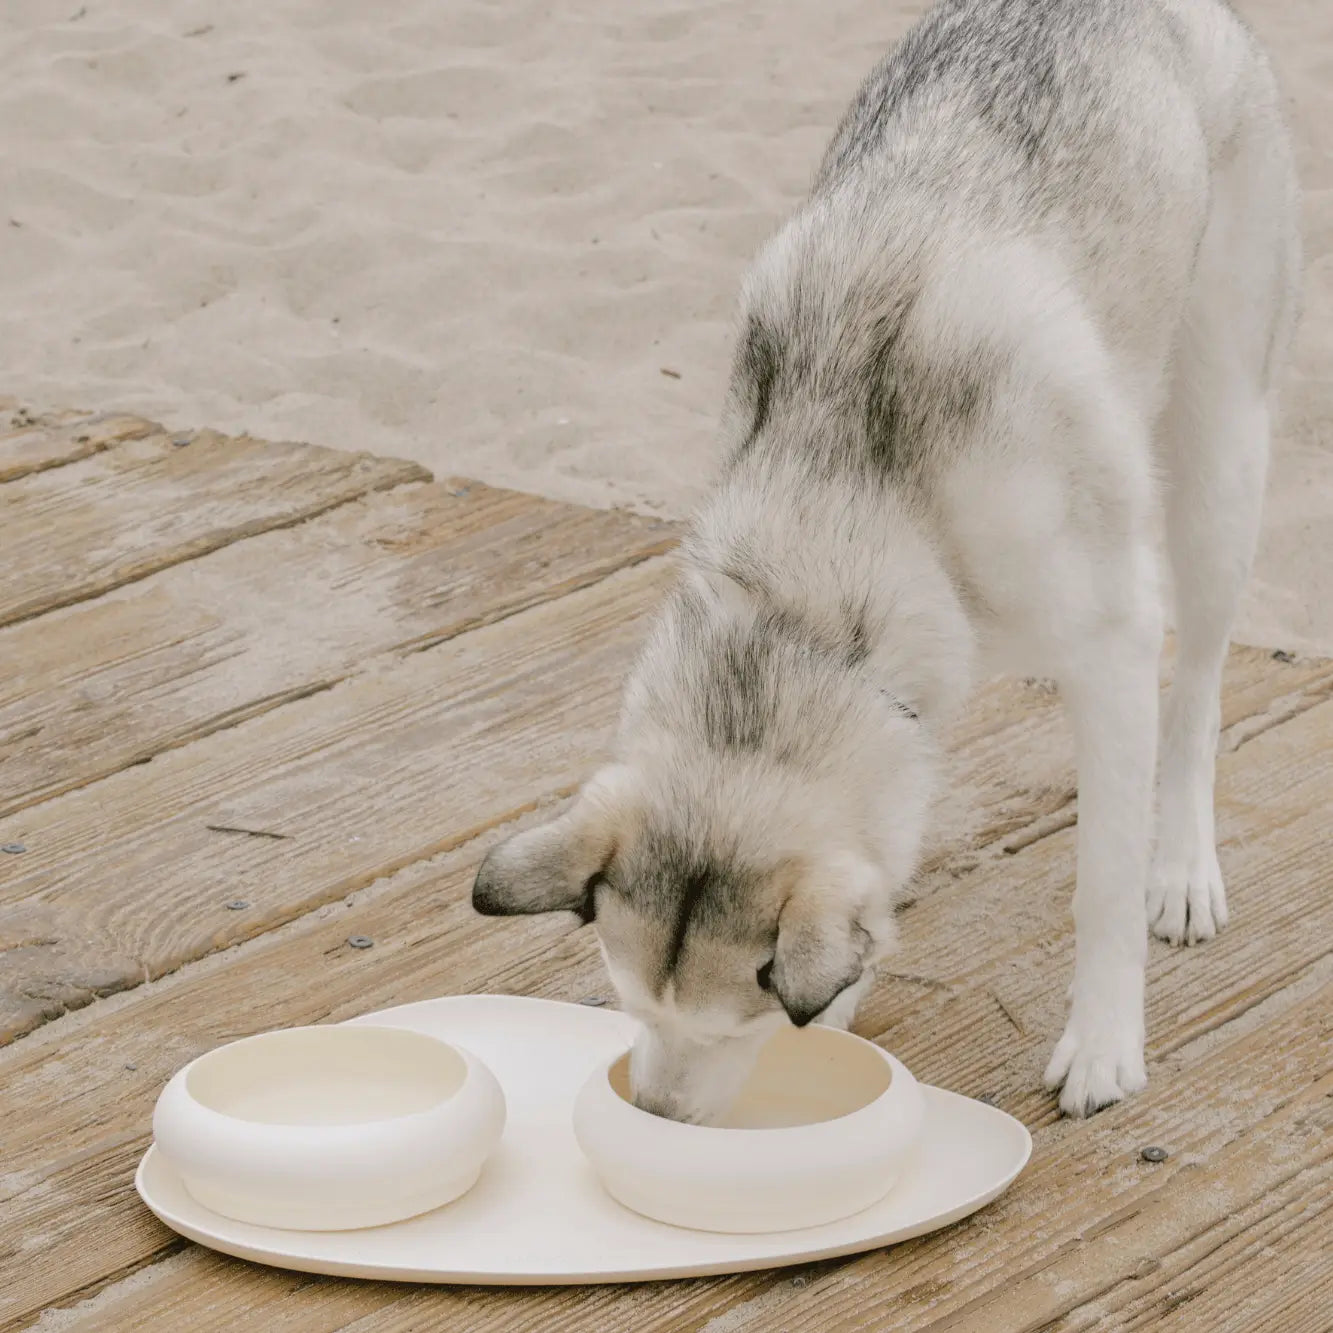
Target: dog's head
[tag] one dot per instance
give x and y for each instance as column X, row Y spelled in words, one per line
column 721, row 914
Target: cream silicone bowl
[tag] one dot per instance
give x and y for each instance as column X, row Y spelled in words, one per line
column 822, row 1129
column 329, row 1128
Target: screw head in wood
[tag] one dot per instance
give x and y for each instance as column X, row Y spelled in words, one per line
column 13, row 848
column 360, row 941
column 1154, row 1154
column 237, row 905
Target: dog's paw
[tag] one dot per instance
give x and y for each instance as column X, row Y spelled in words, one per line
column 1095, row 1065
column 1187, row 902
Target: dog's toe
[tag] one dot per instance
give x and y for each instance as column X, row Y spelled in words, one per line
column 1187, row 903
column 1095, row 1070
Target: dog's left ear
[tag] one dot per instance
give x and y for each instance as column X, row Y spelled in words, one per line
column 822, row 947
column 555, row 868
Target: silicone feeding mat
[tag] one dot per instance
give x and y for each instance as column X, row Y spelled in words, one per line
column 538, row 1214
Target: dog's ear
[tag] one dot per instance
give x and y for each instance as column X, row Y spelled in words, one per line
column 822, row 947
column 556, row 867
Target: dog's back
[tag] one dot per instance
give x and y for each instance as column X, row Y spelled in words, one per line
column 1011, row 162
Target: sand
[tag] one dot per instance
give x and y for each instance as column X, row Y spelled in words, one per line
column 503, row 240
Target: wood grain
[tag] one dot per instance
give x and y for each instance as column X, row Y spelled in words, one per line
column 206, row 644
column 1000, row 931
column 33, row 444
column 1010, row 775
column 1263, row 1266
column 151, row 501
column 128, row 879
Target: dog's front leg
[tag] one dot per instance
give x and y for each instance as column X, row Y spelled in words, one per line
column 1111, row 694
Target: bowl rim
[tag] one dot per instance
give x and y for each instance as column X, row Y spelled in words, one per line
column 902, row 1083
column 222, row 1125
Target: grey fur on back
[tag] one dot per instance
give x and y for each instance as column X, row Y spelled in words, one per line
column 1086, row 127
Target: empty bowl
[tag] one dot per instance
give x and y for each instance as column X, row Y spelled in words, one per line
column 330, row 1128
column 822, row 1129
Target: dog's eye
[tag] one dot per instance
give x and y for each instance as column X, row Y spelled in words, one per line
column 765, row 976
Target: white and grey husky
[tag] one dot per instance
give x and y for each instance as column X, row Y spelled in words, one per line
column 1036, row 298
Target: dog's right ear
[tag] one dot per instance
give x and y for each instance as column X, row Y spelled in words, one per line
column 822, row 948
column 556, row 867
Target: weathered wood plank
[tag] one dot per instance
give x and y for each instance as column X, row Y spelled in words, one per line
column 33, row 444
column 1106, row 1249
column 71, row 532
column 997, row 933
column 1264, row 1266
column 128, row 879
column 203, row 645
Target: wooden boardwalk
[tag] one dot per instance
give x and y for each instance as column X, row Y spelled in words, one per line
column 257, row 698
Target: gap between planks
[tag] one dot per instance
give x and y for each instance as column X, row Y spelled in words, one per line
column 151, row 665
column 151, row 501
column 37, row 444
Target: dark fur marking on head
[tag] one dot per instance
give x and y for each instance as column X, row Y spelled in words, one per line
column 684, row 888
column 693, row 892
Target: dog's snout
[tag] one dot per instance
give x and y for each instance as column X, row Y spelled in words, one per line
column 662, row 1104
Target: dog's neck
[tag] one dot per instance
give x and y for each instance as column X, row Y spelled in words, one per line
column 853, row 568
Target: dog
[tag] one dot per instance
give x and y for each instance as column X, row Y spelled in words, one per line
column 1027, row 320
